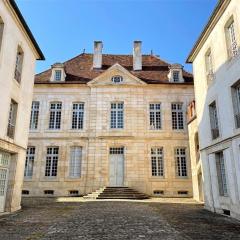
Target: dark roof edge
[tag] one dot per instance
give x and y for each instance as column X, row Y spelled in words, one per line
column 27, row 29
column 210, row 20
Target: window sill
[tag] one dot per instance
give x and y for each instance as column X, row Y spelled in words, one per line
column 50, row 179
column 182, row 178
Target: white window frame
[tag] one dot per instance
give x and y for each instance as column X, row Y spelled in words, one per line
column 34, row 115
column 55, row 115
column 29, row 163
column 155, row 116
column 181, row 162
column 178, row 120
column 52, row 157
column 57, row 75
column 12, row 118
column 231, row 38
column 75, row 163
column 157, row 162
column 117, row 79
column 221, row 174
column 77, row 115
column 117, row 115
column 176, row 76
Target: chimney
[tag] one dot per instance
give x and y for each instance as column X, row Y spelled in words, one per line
column 97, row 57
column 137, row 56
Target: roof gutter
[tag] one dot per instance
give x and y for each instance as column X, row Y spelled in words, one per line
column 217, row 13
column 27, row 29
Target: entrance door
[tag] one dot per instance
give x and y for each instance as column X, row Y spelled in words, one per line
column 116, row 169
column 4, row 163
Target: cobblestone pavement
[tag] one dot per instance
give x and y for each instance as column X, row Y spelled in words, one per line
column 47, row 219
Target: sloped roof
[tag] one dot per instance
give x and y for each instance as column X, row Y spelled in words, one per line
column 79, row 69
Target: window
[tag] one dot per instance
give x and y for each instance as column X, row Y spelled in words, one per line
column 51, row 162
column 231, row 40
column 75, row 162
column 117, row 79
column 12, row 119
column 48, row 192
column 181, row 162
column 117, row 115
column 221, row 174
column 30, row 157
column 157, row 162
column 77, row 115
column 34, row 115
column 116, row 150
column 209, row 66
column 55, row 115
column 175, row 76
column 1, row 32
column 182, row 192
column 58, row 75
column 155, row 115
column 214, row 120
column 236, row 104
column 74, row 193
column 25, row 192
column 177, row 116
column 18, row 66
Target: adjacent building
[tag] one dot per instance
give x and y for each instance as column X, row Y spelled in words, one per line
column 110, row 120
column 18, row 53
column 216, row 61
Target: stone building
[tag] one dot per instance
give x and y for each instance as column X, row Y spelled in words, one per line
column 110, row 120
column 18, row 54
column 216, row 61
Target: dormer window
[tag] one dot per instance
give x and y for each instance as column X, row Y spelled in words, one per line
column 117, row 79
column 176, row 76
column 58, row 75
column 176, row 73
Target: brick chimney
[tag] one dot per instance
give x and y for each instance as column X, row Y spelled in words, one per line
column 137, row 55
column 97, row 57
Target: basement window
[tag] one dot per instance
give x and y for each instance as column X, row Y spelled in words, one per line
column 226, row 212
column 158, row 192
column 25, row 192
column 182, row 192
column 73, row 192
column 48, row 192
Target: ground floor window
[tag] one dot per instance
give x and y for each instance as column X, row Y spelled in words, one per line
column 157, row 161
column 181, row 162
column 75, row 162
column 51, row 162
column 221, row 173
column 116, row 150
column 30, row 156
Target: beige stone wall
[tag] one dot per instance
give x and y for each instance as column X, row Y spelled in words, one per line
column 14, row 36
column 96, row 138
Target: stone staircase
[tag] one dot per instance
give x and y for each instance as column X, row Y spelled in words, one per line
column 95, row 194
column 121, row 193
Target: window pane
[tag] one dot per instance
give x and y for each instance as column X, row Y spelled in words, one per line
column 51, row 162
column 55, row 115
column 12, row 119
column 181, row 162
column 222, row 181
column 157, row 162
column 155, row 115
column 34, row 115
column 177, row 116
column 30, row 156
column 75, row 162
column 77, row 116
column 117, row 115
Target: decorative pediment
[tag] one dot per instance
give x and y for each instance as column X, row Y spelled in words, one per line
column 116, row 75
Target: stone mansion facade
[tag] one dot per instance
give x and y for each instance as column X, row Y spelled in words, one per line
column 110, row 120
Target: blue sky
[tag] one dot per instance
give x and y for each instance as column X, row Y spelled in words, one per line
column 63, row 28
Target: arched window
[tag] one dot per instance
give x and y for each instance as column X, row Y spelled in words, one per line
column 117, row 79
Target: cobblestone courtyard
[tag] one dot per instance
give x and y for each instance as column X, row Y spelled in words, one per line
column 47, row 219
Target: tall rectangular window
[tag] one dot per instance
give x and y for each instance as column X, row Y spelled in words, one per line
column 157, row 161
column 214, row 120
column 75, row 162
column 1, row 32
column 236, row 104
column 209, row 66
column 18, row 65
column 55, row 115
column 231, row 39
column 30, row 157
column 155, row 115
column 221, row 173
column 34, row 115
column 12, row 119
column 175, row 76
column 117, row 115
column 51, row 162
column 58, row 75
column 181, row 162
column 177, row 116
column 77, row 115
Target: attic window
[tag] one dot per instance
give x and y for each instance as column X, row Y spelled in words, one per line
column 175, row 76
column 58, row 75
column 117, row 79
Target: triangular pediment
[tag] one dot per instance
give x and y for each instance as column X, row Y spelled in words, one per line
column 116, row 70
